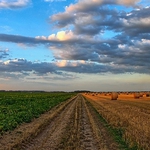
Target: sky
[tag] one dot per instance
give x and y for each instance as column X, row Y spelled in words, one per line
column 67, row 45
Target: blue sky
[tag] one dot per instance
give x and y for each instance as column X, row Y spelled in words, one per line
column 98, row 45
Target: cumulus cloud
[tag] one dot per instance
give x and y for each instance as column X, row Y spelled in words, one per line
column 19, row 65
column 67, row 63
column 91, row 5
column 81, row 44
column 61, row 36
column 126, row 56
column 93, row 17
column 128, row 2
column 13, row 4
column 22, row 67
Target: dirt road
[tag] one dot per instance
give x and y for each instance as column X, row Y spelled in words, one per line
column 74, row 126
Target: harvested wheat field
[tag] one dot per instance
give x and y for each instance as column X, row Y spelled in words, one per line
column 128, row 114
column 88, row 121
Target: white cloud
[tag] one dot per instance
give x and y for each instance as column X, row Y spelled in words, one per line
column 83, row 5
column 13, row 4
column 121, row 46
column 59, row 36
column 41, row 37
column 6, row 62
column 145, row 41
column 63, row 35
column 62, row 63
column 15, row 61
column 137, row 22
column 128, row 2
column 68, row 63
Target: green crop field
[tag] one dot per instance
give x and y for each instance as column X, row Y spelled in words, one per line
column 19, row 107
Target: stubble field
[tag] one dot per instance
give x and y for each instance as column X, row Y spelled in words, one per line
column 87, row 121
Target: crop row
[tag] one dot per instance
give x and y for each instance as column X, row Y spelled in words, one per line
column 19, row 107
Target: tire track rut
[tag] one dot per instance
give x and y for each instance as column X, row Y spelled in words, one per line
column 49, row 138
column 85, row 131
column 75, row 126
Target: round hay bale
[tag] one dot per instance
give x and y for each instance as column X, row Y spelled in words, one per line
column 136, row 95
column 147, row 94
column 141, row 94
column 114, row 96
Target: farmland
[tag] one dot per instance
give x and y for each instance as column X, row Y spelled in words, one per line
column 131, row 117
column 69, row 121
column 19, row 107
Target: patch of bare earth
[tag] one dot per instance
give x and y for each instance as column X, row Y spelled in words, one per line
column 72, row 126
